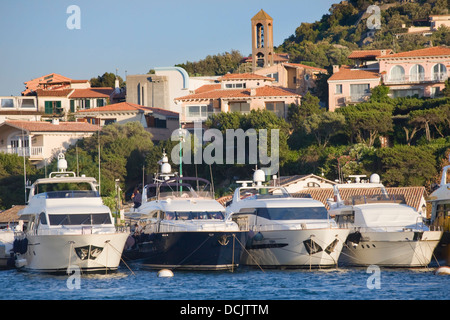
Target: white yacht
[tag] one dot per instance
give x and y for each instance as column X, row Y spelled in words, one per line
column 384, row 230
column 181, row 226
column 285, row 232
column 440, row 215
column 67, row 225
column 6, row 248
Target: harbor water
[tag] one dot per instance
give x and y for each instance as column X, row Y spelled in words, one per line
column 243, row 284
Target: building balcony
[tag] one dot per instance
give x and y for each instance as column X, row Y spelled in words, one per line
column 415, row 79
column 34, row 153
column 355, row 98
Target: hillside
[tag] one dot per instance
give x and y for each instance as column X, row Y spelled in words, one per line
column 345, row 28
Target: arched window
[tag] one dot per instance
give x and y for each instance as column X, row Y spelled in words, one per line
column 439, row 72
column 417, row 73
column 260, row 60
column 397, row 73
column 259, row 35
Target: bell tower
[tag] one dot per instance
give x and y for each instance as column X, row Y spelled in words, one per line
column 262, row 40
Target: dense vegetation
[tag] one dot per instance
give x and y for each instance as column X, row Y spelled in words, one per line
column 330, row 40
column 214, row 65
column 345, row 142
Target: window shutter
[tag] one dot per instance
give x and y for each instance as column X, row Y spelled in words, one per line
column 48, row 107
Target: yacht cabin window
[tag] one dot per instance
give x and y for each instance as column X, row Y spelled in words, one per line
column 79, row 219
column 193, row 215
column 299, row 213
column 42, row 218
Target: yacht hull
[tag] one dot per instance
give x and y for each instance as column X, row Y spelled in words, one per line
column 61, row 253
column 197, row 250
column 391, row 249
column 304, row 248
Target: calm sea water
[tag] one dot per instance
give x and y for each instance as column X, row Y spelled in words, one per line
column 242, row 284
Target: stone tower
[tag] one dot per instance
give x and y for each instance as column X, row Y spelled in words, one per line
column 262, row 40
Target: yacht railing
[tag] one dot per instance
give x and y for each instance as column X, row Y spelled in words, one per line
column 420, row 227
column 292, row 226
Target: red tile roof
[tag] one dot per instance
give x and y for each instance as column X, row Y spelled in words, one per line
column 368, row 54
column 347, row 73
column 244, row 76
column 413, row 195
column 103, row 92
column 208, row 87
column 53, row 93
column 266, row 91
column 11, row 215
column 43, row 126
column 33, row 84
column 126, row 106
column 427, row 52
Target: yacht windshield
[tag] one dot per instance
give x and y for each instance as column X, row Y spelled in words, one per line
column 193, row 215
column 292, row 213
column 79, row 219
column 263, row 193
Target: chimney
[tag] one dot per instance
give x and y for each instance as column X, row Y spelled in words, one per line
column 383, row 52
column 252, row 92
column 335, row 68
column 55, row 121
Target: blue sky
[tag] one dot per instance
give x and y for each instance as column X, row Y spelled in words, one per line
column 131, row 36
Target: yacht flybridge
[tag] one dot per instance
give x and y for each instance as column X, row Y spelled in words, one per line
column 384, row 230
column 285, row 232
column 67, row 225
column 181, row 226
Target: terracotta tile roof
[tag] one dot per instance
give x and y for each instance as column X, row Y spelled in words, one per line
column 413, row 195
column 33, row 84
column 10, row 215
column 53, row 93
column 299, row 65
column 104, row 92
column 208, row 87
column 368, row 54
column 126, row 106
column 427, row 52
column 347, row 73
column 44, row 126
column 223, row 200
column 266, row 91
column 244, row 76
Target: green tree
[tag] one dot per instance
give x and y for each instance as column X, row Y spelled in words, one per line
column 324, row 126
column 12, row 182
column 407, row 166
column 366, row 121
column 108, row 79
column 123, row 150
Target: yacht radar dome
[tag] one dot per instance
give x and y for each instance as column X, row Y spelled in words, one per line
column 374, row 178
column 62, row 163
column 259, row 177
